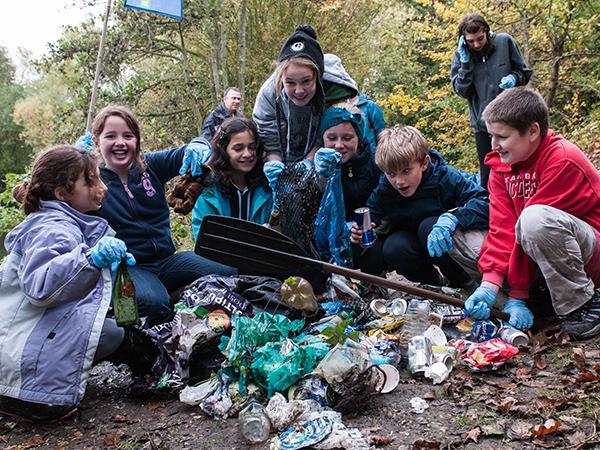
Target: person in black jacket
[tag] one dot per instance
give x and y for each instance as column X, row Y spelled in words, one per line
column 484, row 65
column 424, row 201
column 227, row 108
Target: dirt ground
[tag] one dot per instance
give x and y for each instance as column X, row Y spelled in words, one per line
column 548, row 396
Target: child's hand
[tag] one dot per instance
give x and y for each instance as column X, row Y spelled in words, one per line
column 355, row 234
column 196, row 154
column 109, row 252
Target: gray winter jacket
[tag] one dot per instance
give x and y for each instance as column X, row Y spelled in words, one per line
column 53, row 302
column 478, row 80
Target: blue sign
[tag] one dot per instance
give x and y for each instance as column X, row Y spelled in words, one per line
column 171, row 8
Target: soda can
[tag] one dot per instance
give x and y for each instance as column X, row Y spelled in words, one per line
column 363, row 219
column 419, row 353
column 484, row 330
column 513, row 336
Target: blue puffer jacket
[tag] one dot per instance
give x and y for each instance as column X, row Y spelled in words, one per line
column 374, row 121
column 212, row 201
column 365, row 178
column 139, row 212
column 53, row 305
column 442, row 189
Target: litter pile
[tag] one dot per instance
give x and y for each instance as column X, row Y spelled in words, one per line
column 284, row 360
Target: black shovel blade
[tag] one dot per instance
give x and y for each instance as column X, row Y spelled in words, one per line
column 250, row 247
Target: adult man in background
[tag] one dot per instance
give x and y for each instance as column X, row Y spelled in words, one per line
column 483, row 65
column 227, row 108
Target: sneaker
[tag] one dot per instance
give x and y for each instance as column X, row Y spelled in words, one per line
column 584, row 322
column 35, row 412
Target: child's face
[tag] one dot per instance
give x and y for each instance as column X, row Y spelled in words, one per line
column 241, row 151
column 118, row 145
column 406, row 180
column 511, row 145
column 299, row 84
column 342, row 138
column 84, row 198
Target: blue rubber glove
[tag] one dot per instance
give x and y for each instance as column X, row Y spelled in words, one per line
column 479, row 303
column 508, row 81
column 85, row 142
column 108, row 253
column 520, row 314
column 272, row 170
column 463, row 51
column 196, row 154
column 326, row 161
column 439, row 240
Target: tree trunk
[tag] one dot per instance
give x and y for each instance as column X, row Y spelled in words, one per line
column 243, row 18
column 214, row 64
column 222, row 47
column 186, row 77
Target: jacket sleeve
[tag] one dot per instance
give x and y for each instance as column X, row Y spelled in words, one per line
column 265, row 117
column 376, row 119
column 208, row 128
column 201, row 209
column 166, row 163
column 474, row 209
column 461, row 77
column 518, row 67
column 56, row 268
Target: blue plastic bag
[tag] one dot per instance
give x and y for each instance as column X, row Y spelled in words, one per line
column 332, row 237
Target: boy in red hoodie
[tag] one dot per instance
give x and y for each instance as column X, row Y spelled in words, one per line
column 544, row 218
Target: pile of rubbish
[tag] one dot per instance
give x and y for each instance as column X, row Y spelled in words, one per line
column 287, row 361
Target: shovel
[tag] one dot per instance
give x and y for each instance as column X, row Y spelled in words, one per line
column 252, row 247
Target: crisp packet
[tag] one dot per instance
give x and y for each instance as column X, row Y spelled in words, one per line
column 494, row 353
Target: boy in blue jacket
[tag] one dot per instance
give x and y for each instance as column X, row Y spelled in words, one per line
column 422, row 201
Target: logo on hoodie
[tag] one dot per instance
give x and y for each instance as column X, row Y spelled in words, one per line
column 147, row 185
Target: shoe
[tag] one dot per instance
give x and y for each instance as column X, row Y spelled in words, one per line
column 584, row 322
column 35, row 412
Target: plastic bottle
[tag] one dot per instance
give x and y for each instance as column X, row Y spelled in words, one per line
column 254, row 423
column 416, row 321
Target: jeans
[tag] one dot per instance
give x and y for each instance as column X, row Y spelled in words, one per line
column 154, row 282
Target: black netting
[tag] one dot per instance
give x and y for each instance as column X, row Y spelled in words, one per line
column 298, row 196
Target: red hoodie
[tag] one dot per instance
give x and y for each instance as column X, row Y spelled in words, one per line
column 558, row 174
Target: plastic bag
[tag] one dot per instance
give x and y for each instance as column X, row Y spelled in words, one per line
column 332, row 237
column 298, row 293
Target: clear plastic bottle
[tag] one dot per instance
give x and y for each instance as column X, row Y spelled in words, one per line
column 254, row 422
column 416, row 321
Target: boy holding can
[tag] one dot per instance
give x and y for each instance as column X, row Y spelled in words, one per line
column 544, row 219
column 422, row 202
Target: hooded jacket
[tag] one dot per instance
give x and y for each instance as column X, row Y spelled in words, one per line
column 54, row 302
column 212, row 201
column 558, row 174
column 214, row 120
column 478, row 79
column 442, row 189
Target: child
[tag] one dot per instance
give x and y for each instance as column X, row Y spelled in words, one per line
column 237, row 185
column 136, row 208
column 423, row 201
column 342, row 128
column 56, row 288
column 544, row 218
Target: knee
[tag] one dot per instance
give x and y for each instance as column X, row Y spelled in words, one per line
column 534, row 223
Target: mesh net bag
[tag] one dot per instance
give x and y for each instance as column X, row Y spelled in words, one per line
column 298, row 196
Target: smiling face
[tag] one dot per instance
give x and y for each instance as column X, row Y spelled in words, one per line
column 407, row 179
column 476, row 41
column 299, row 84
column 84, row 197
column 117, row 144
column 241, row 152
column 342, row 138
column 511, row 145
column 232, row 100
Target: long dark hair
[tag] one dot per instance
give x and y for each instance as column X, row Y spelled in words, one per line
column 219, row 160
column 57, row 167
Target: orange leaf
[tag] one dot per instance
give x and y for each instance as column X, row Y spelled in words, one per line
column 474, row 434
column 549, row 426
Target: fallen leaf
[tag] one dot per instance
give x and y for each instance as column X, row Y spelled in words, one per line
column 579, row 357
column 587, row 377
column 576, row 438
column 540, row 443
column 379, row 440
column 502, row 385
column 474, row 434
column 519, row 430
column 549, row 426
column 119, row 418
column 153, row 406
column 540, row 362
column 422, row 444
column 429, row 395
column 33, row 442
column 113, row 439
column 492, row 430
column 505, row 404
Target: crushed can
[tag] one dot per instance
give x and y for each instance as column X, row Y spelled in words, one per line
column 513, row 336
column 363, row 219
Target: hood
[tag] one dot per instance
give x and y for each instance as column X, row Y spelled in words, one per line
column 335, row 73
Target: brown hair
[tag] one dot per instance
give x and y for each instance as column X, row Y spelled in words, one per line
column 473, row 23
column 317, row 102
column 399, row 146
column 127, row 115
column 57, row 167
column 519, row 108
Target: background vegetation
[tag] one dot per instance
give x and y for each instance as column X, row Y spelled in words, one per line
column 172, row 73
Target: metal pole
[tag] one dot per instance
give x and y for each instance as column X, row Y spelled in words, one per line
column 99, row 60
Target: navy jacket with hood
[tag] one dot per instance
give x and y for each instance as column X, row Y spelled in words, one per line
column 365, row 178
column 442, row 189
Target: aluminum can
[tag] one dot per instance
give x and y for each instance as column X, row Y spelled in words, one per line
column 484, row 330
column 513, row 336
column 363, row 219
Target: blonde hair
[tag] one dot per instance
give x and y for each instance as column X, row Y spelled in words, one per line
column 400, row 146
column 280, row 70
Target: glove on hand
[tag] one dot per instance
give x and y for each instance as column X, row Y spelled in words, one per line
column 520, row 315
column 326, row 161
column 463, row 51
column 196, row 154
column 508, row 81
column 85, row 142
column 439, row 240
column 272, row 170
column 108, row 253
column 479, row 303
